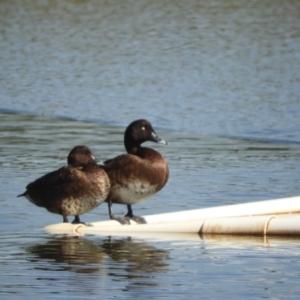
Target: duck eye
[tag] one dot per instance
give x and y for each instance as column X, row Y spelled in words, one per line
column 143, row 128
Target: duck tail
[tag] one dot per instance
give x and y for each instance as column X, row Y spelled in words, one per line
column 22, row 195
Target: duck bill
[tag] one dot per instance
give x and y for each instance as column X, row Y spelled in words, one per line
column 154, row 138
column 93, row 160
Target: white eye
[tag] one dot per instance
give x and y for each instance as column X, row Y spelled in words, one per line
column 143, row 128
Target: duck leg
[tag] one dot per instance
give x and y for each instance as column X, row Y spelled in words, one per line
column 65, row 219
column 77, row 221
column 139, row 220
column 123, row 221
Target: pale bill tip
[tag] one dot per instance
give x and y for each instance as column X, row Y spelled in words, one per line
column 162, row 142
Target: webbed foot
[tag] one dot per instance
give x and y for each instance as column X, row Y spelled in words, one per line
column 123, row 221
column 137, row 219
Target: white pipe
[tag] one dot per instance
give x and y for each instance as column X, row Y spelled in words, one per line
column 256, row 218
column 284, row 226
column 269, row 207
column 261, row 225
column 258, row 225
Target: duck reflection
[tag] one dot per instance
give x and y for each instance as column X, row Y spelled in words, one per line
column 135, row 264
column 129, row 257
column 138, row 255
column 80, row 255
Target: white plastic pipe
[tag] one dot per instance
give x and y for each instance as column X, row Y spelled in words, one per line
column 261, row 225
column 269, row 207
column 256, row 218
column 258, row 225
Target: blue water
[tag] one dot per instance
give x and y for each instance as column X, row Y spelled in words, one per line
column 218, row 80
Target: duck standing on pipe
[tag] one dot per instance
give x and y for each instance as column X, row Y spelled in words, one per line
column 138, row 175
column 71, row 190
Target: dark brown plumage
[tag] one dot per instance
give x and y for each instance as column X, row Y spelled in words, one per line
column 138, row 175
column 71, row 190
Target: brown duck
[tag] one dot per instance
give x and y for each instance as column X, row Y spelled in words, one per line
column 71, row 190
column 138, row 175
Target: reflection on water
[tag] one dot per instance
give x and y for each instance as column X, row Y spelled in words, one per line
column 244, row 241
column 133, row 256
column 77, row 254
column 124, row 260
column 139, row 256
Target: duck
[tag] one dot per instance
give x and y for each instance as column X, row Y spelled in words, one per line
column 71, row 190
column 137, row 175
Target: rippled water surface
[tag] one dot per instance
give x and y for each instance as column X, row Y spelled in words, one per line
column 219, row 80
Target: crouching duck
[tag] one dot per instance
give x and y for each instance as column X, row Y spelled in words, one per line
column 71, row 190
column 138, row 175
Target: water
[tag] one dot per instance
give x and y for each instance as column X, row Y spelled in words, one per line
column 218, row 80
